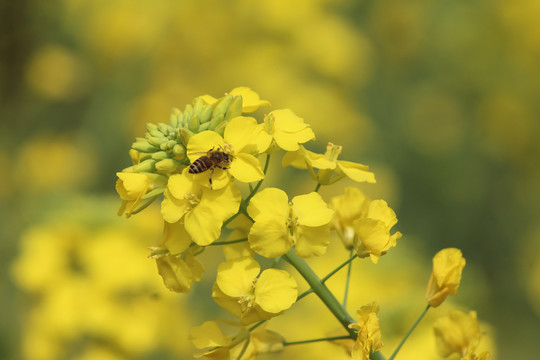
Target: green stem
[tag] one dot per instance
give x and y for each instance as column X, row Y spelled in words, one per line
column 345, row 296
column 409, row 333
column 257, row 325
column 215, row 243
column 305, row 293
column 287, row 343
column 338, row 268
column 246, row 201
column 322, row 291
column 317, row 187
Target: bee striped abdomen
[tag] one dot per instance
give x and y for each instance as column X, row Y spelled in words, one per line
column 200, row 165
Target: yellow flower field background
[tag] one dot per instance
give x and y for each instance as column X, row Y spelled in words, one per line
column 439, row 98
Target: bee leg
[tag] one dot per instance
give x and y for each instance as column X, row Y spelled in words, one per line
column 222, row 167
column 210, row 177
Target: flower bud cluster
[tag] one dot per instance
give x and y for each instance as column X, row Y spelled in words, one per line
column 163, row 148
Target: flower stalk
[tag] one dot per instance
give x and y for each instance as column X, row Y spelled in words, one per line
column 322, row 291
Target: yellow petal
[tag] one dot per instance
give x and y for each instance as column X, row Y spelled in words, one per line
column 311, row 210
column 270, row 201
column 208, row 335
column 246, row 168
column 220, row 178
column 181, row 184
column 200, row 224
column 175, row 273
column 131, row 185
column 312, row 241
column 295, row 159
column 242, row 133
column 356, row 172
column 269, row 236
column 275, row 290
column 175, row 237
column 250, row 99
column 172, row 209
column 235, row 277
column 224, row 202
column 264, row 140
column 199, row 144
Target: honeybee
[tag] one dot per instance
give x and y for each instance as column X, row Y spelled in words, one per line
column 210, row 161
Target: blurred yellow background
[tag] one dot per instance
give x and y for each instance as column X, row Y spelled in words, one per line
column 440, row 98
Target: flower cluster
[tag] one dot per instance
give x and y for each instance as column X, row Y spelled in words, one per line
column 200, row 164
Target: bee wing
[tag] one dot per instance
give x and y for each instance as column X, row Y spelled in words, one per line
column 199, row 153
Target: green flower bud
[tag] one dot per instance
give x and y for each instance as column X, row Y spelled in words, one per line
column 197, row 105
column 167, row 165
column 150, row 127
column 188, row 111
column 235, row 109
column 223, row 105
column 160, row 155
column 179, row 150
column 216, row 121
column 220, row 129
column 205, row 114
column 156, row 133
column 204, row 126
column 184, row 135
column 164, row 128
column 193, row 124
column 156, row 141
column 173, row 120
column 144, row 146
column 148, row 165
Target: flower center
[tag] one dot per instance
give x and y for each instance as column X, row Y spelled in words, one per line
column 228, row 149
column 192, row 200
column 248, row 300
column 269, row 123
column 332, row 151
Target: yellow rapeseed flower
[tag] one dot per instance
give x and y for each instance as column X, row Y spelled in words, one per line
column 369, row 333
column 133, row 186
column 373, row 230
column 330, row 168
column 218, row 345
column 352, row 205
column 239, row 142
column 251, row 297
column 203, row 210
column 176, row 260
column 459, row 332
column 287, row 130
column 448, row 265
column 304, row 223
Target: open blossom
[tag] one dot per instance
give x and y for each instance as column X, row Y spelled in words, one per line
column 239, row 142
column 251, row 101
column 352, row 205
column 330, row 168
column 175, row 260
column 369, row 333
column 459, row 332
column 304, row 223
column 448, row 265
column 251, row 296
column 132, row 187
column 203, row 210
column 221, row 345
column 373, row 230
column 285, row 128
